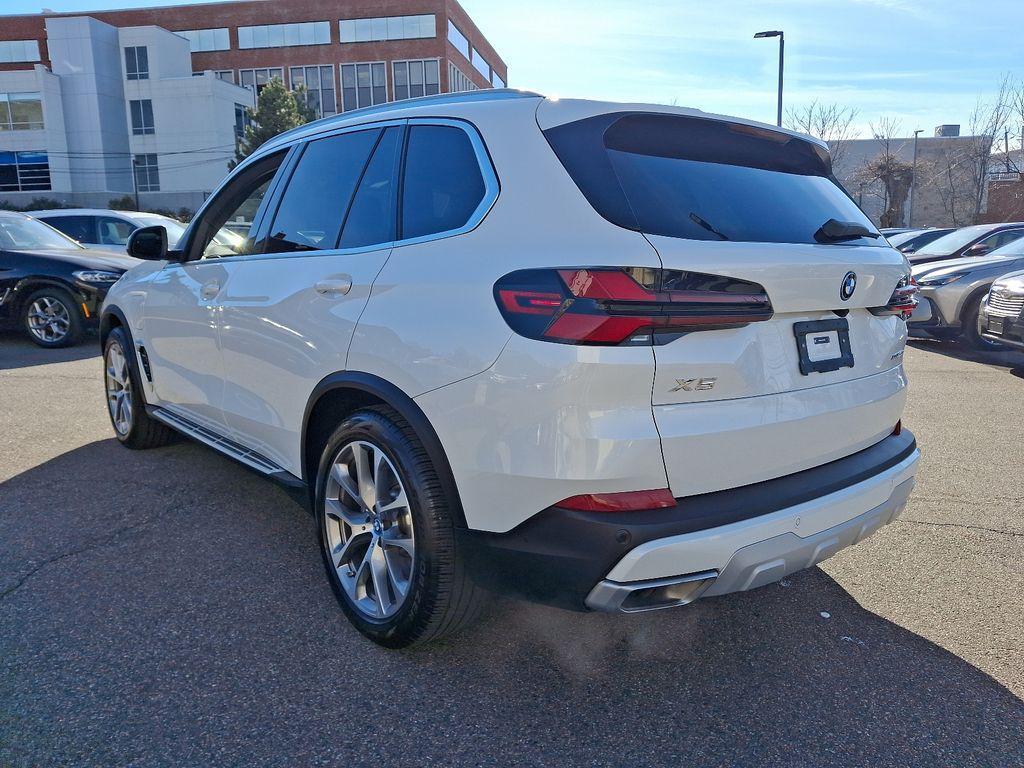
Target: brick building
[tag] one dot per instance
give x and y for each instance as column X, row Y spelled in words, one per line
column 149, row 100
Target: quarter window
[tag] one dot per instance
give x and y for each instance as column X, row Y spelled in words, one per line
column 442, row 181
column 313, row 206
column 136, row 62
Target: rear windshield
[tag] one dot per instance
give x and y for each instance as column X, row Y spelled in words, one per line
column 705, row 179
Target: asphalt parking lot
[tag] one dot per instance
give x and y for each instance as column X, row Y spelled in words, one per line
column 169, row 608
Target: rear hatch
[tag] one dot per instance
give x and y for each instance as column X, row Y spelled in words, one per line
column 820, row 378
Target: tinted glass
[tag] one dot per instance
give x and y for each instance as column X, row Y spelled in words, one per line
column 371, row 220
column 81, row 228
column 705, row 179
column 442, row 181
column 313, row 207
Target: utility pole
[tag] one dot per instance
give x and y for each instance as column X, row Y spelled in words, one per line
column 135, row 180
column 913, row 180
column 782, row 58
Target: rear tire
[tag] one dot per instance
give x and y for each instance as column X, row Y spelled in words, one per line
column 52, row 318
column 387, row 534
column 971, row 328
column 126, row 404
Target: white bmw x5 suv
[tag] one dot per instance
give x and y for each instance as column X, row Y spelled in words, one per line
column 608, row 357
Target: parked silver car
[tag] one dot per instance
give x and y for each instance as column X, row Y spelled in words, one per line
column 952, row 292
column 106, row 229
column 1002, row 312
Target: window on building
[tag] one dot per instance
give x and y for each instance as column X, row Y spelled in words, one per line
column 256, row 79
column 12, row 51
column 147, row 173
column 459, row 40
column 242, row 120
column 319, row 85
column 387, row 28
column 227, row 75
column 363, row 85
column 314, row 205
column 207, row 39
column 442, row 181
column 142, row 117
column 21, row 112
column 496, row 80
column 416, row 78
column 136, row 62
column 480, row 64
column 285, row 35
column 24, row 171
column 459, row 81
column 371, row 219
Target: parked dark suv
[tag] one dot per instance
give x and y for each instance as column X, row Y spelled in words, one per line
column 50, row 285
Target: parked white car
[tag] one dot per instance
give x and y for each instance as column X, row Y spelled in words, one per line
column 106, row 229
column 608, row 357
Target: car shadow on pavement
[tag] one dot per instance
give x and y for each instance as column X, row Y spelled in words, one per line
column 1010, row 359
column 170, row 607
column 16, row 351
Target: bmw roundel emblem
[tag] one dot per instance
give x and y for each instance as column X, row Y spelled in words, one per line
column 849, row 286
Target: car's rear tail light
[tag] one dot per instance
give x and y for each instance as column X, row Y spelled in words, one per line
column 612, row 305
column 630, row 501
column 903, row 300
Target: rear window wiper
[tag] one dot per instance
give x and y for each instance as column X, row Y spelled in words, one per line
column 702, row 223
column 834, row 231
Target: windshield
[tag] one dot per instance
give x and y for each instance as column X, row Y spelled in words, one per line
column 899, row 239
column 175, row 229
column 705, row 179
column 17, row 232
column 954, row 241
column 1015, row 248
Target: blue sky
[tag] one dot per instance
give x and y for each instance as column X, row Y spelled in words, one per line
column 923, row 62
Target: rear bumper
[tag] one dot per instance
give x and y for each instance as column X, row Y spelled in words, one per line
column 730, row 540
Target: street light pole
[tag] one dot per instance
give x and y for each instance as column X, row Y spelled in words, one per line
column 135, row 180
column 782, row 58
column 913, row 180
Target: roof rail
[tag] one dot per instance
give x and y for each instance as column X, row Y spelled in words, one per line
column 483, row 94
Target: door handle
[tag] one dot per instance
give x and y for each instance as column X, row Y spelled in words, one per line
column 209, row 290
column 337, row 286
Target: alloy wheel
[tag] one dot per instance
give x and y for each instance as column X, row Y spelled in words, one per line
column 119, row 389
column 49, row 320
column 369, row 529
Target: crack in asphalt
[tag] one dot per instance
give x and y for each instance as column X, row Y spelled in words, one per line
column 73, row 553
column 961, row 525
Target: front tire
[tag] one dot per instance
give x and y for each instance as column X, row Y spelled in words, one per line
column 971, row 329
column 387, row 534
column 126, row 405
column 51, row 318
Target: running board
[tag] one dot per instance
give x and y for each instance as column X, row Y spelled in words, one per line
column 229, row 448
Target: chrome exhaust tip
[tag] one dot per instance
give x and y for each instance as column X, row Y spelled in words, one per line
column 655, row 594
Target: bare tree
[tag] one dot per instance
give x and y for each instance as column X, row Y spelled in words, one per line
column 885, row 175
column 986, row 121
column 831, row 123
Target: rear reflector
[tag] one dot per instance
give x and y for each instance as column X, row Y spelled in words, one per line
column 630, row 501
column 617, row 305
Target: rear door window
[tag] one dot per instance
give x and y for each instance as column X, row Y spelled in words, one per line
column 442, row 183
column 703, row 179
column 80, row 228
column 371, row 219
column 313, row 206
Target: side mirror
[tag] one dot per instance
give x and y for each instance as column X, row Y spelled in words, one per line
column 148, row 243
column 979, row 249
